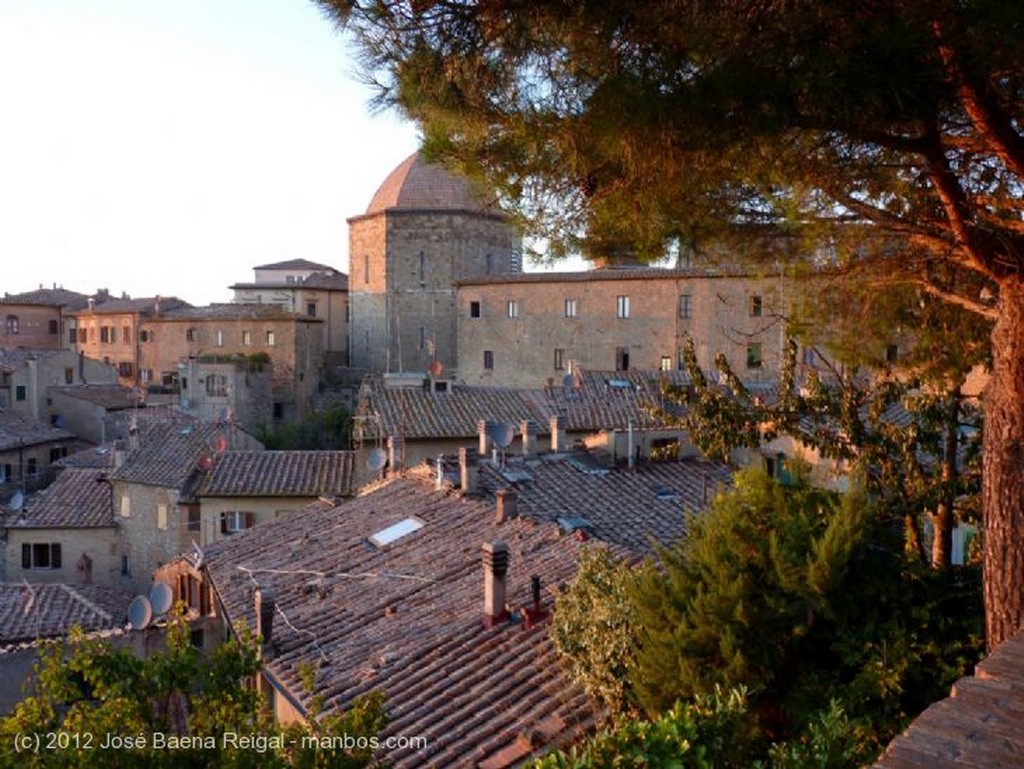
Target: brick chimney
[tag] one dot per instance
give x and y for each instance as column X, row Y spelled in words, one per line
column 485, row 429
column 468, row 470
column 396, row 453
column 495, row 558
column 265, row 605
column 528, row 430
column 507, row 505
column 559, row 440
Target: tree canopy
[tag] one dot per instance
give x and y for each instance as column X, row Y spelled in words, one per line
column 887, row 133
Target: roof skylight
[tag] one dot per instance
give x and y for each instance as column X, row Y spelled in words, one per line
column 396, row 531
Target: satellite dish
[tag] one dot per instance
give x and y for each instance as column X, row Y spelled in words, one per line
column 377, row 459
column 59, row 421
column 161, row 597
column 568, row 381
column 503, row 435
column 140, row 612
column 17, row 501
column 436, row 368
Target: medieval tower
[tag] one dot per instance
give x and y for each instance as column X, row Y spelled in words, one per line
column 424, row 231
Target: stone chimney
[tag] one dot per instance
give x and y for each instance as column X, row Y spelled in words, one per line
column 507, row 505
column 559, row 440
column 495, row 558
column 468, row 470
column 439, row 469
column 485, row 429
column 396, row 453
column 265, row 605
column 528, row 430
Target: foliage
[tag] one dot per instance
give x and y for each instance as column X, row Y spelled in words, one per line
column 323, row 430
column 593, row 627
column 803, row 598
column 173, row 708
column 705, row 733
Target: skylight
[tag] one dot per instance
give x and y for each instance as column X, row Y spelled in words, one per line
column 396, row 531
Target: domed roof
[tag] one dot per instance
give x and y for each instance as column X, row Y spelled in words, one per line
column 416, row 184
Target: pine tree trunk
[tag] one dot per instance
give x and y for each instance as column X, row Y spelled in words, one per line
column 1003, row 470
column 942, row 541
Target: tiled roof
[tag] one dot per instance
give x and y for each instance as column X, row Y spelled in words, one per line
column 628, row 507
column 977, row 726
column 77, row 499
column 143, row 305
column 418, row 185
column 229, row 311
column 336, row 282
column 52, row 297
column 296, row 264
column 279, row 473
column 169, row 453
column 406, row 619
column 17, row 431
column 597, row 400
column 93, row 457
column 35, row 611
column 112, row 397
column 13, row 358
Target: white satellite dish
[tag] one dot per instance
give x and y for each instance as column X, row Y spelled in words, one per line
column 161, row 597
column 377, row 459
column 140, row 613
column 17, row 501
column 503, row 435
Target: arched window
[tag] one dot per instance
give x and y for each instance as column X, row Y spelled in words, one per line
column 12, row 326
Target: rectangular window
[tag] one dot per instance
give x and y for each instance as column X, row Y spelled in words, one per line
column 54, row 328
column 423, row 338
column 278, row 410
column 20, row 393
column 488, row 360
column 685, row 305
column 161, row 517
column 126, row 506
column 41, row 555
column 622, row 307
column 666, row 362
column 512, row 308
column 234, row 521
column 246, row 337
column 146, row 375
column 72, row 335
column 32, row 467
column 126, row 369
column 311, row 309
column 755, row 306
column 474, row 309
column 126, row 566
column 126, row 334
column 622, row 359
column 559, row 359
column 808, row 356
column 83, row 335
column 754, row 355
column 423, row 269
column 271, row 339
column 219, row 338
column 366, row 268
column 217, row 385
column 572, row 308
column 105, row 334
column 190, row 335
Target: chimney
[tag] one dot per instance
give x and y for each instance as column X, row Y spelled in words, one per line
column 485, row 429
column 265, row 608
column 439, row 464
column 559, row 440
column 396, row 452
column 495, row 558
column 468, row 470
column 528, row 429
column 507, row 505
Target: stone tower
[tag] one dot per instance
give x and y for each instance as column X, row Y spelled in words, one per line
column 425, row 230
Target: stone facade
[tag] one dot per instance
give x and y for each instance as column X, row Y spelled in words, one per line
column 531, row 329
column 424, row 231
column 100, row 547
column 27, row 378
column 239, row 390
column 37, row 326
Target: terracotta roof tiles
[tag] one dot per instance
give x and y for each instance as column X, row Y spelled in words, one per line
column 17, row 431
column 78, row 498
column 28, row 612
column 279, row 473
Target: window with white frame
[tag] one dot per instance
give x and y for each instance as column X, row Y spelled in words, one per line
column 685, row 305
column 512, row 308
column 755, row 306
column 572, row 308
column 234, row 521
column 41, row 555
column 622, row 306
column 217, row 385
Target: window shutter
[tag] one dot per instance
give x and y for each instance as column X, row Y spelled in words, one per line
column 250, row 520
column 26, row 556
column 55, row 559
column 223, row 523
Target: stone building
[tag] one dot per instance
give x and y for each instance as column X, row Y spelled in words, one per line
column 28, row 378
column 529, row 329
column 424, row 230
column 305, row 287
column 38, row 319
column 28, row 449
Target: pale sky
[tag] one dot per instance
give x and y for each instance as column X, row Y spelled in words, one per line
column 170, row 146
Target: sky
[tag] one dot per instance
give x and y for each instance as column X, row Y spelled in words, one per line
column 155, row 147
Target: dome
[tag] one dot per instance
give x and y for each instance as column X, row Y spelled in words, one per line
column 418, row 185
